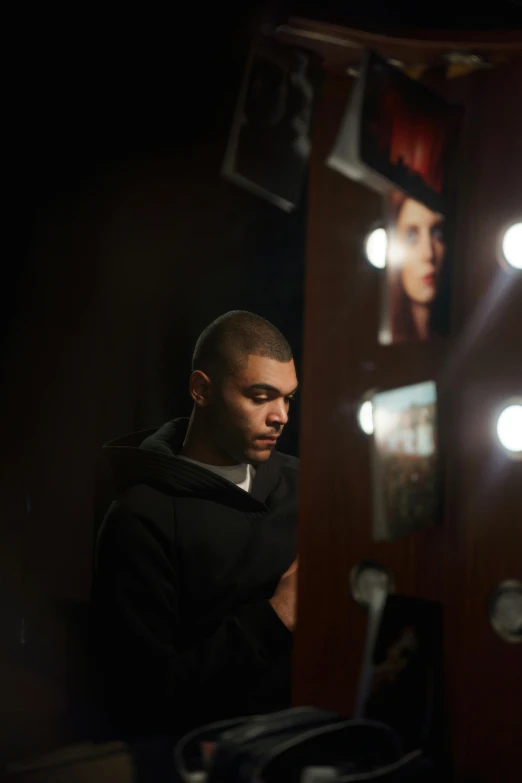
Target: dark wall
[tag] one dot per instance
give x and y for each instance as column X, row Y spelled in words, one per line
column 379, row 16
column 129, row 244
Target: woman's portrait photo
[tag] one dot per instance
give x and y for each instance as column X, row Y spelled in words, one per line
column 416, row 295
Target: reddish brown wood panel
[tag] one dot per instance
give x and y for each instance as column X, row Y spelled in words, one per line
column 480, row 542
column 342, row 361
column 484, row 369
column 340, row 46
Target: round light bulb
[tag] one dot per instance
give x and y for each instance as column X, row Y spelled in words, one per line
column 375, row 248
column 512, row 245
column 509, row 428
column 365, row 416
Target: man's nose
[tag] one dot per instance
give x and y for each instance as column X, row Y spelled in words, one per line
column 278, row 413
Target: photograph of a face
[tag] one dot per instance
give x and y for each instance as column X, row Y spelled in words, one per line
column 416, row 296
column 406, row 471
column 407, row 133
column 271, row 136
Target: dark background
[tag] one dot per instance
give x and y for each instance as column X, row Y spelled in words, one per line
column 125, row 244
column 124, row 222
column 121, row 244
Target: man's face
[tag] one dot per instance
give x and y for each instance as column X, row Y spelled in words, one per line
column 250, row 410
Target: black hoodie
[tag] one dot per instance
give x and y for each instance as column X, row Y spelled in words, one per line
column 182, row 629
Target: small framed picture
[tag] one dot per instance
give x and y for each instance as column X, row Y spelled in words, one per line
column 407, row 133
column 406, row 471
column 271, row 137
column 401, row 675
column 396, row 133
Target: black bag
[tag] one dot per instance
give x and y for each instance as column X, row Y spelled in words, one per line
column 300, row 745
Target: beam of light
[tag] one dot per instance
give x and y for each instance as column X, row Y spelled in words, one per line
column 480, row 322
column 375, row 248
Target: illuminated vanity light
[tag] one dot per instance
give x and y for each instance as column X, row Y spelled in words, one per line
column 365, row 417
column 375, row 248
column 370, row 582
column 509, row 428
column 505, row 610
column 512, row 245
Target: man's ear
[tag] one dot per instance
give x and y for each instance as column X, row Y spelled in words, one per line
column 200, row 387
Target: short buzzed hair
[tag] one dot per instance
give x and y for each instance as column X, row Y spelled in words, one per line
column 228, row 341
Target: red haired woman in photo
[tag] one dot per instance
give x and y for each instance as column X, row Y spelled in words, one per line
column 415, row 261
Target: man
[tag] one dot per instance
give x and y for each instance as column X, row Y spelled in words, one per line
column 194, row 595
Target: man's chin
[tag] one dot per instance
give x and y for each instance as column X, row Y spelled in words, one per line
column 258, row 454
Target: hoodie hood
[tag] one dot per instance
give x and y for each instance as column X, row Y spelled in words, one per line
column 150, row 457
